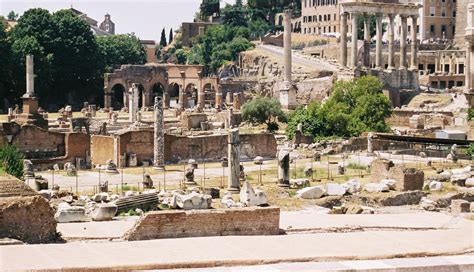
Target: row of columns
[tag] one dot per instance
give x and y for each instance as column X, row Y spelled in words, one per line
column 378, row 44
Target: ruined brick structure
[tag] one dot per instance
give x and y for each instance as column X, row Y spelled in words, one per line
column 408, row 179
column 198, row 223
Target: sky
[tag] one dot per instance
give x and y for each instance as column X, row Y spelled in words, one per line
column 145, row 18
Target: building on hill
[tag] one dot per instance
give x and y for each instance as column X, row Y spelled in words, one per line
column 107, row 25
column 98, row 31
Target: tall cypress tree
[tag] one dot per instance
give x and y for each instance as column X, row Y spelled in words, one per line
column 171, row 36
column 163, row 42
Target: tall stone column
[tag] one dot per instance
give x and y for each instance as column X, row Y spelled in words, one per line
column 366, row 40
column 201, row 98
column 391, row 36
column 354, row 40
column 283, row 168
column 233, row 143
column 403, row 43
column 219, row 97
column 30, row 77
column 378, row 45
column 469, row 69
column 343, row 53
column 166, row 100
column 182, row 99
column 133, row 103
column 159, row 137
column 414, row 44
column 237, row 101
column 287, row 45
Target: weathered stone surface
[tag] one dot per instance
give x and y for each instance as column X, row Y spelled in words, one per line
column 250, row 197
column 68, row 214
column 428, row 204
column 314, row 192
column 460, row 179
column 308, row 171
column 435, row 186
column 376, row 187
column 100, row 197
column 193, row 201
column 28, row 218
column 177, row 224
column 283, row 168
column 104, row 212
column 352, row 186
column 334, row 189
column 391, row 183
column 469, row 182
column 401, row 198
column 299, row 183
column 460, row 206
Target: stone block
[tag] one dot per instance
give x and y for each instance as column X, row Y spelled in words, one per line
column 469, row 182
column 299, row 183
column 193, row 201
column 352, row 186
column 314, row 192
column 391, row 183
column 334, row 189
column 104, row 212
column 68, row 214
column 376, row 187
column 250, row 197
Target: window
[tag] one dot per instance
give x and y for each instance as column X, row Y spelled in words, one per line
column 107, row 27
column 432, row 11
column 454, row 13
column 432, row 29
column 461, row 68
column 443, row 29
column 443, row 12
column 417, row 28
column 335, row 17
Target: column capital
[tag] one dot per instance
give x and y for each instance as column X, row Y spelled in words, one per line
column 391, row 16
column 403, row 16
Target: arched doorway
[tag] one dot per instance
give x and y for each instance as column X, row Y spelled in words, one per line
column 209, row 94
column 118, row 93
column 191, row 95
column 173, row 91
column 280, row 20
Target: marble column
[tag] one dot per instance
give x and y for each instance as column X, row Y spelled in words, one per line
column 391, row 36
column 343, row 53
column 414, row 44
column 366, row 40
column 287, row 45
column 233, row 143
column 30, row 77
column 182, row 100
column 166, row 100
column 354, row 40
column 159, row 137
column 378, row 45
column 237, row 101
column 219, row 97
column 133, row 103
column 403, row 43
column 201, row 98
column 468, row 69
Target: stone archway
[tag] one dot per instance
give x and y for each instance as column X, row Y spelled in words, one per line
column 191, row 95
column 118, row 93
column 173, row 92
column 209, row 94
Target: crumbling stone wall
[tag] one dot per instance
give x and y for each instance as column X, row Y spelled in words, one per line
column 32, row 140
column 408, row 179
column 198, row 223
column 401, row 118
column 29, row 219
column 102, row 149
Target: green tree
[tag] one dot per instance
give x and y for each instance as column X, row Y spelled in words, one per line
column 372, row 23
column 263, row 110
column 11, row 160
column 5, row 60
column 170, row 39
column 470, row 151
column 116, row 50
column 163, row 42
column 354, row 107
column 181, row 56
column 470, row 114
column 12, row 16
column 258, row 28
column 208, row 8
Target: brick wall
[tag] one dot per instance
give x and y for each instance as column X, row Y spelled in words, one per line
column 102, row 149
column 198, row 223
column 214, row 147
column 31, row 139
column 408, row 179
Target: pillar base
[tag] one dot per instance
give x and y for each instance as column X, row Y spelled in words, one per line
column 284, row 184
column 233, row 190
column 187, row 183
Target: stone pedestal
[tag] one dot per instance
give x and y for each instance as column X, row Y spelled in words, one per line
column 234, row 161
column 288, row 96
column 218, row 98
column 133, row 103
column 237, row 101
